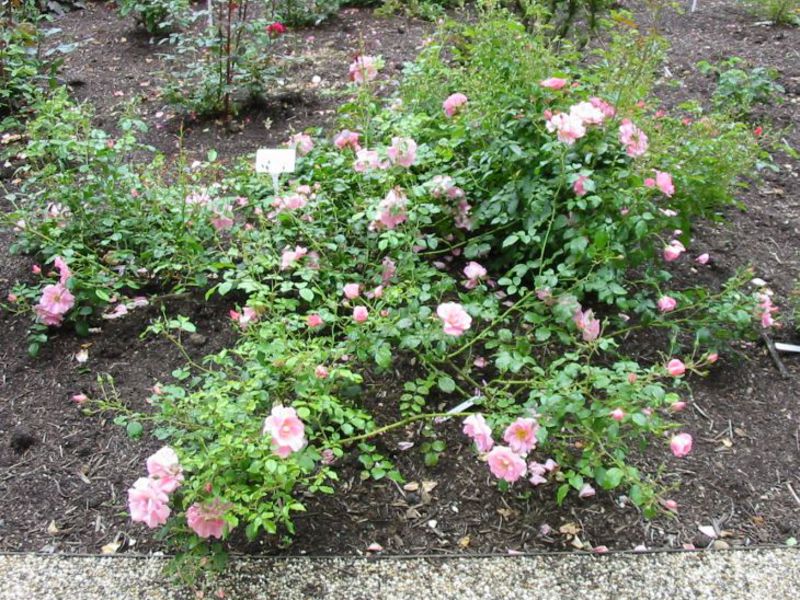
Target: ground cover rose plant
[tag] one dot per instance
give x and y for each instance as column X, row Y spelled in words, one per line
column 496, row 223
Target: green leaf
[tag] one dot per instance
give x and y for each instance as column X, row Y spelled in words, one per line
column 134, row 429
column 446, row 384
column 306, row 294
column 383, row 356
column 562, row 492
column 612, row 478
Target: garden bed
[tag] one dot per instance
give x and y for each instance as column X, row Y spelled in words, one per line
column 65, row 475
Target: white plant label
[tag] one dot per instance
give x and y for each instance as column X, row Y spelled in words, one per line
column 275, row 160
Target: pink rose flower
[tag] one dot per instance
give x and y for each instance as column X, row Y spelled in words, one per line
column 587, row 324
column 673, row 251
column 506, row 464
column 147, row 503
column 36, row 270
column 360, row 314
column 402, row 152
column 165, row 469
column 478, row 430
column 712, row 358
column 553, row 83
column 677, row 406
column 474, row 272
column 63, row 270
column 767, row 308
column 588, row 113
column 243, row 319
column 681, row 444
column 521, row 435
column 633, row 138
column 286, row 429
column 579, row 185
column 606, row 108
column 676, row 368
column 206, row 519
column 667, row 304
column 320, row 372
column 618, row 414
column 456, row 320
column 569, row 128
column 368, row 159
column 364, row 68
column 347, row 139
column 314, row 321
column 289, row 257
column 453, row 104
column 56, row 300
column 80, row 399
column 302, row 142
column 352, row 291
column 391, row 210
column 664, row 183
column 389, row 269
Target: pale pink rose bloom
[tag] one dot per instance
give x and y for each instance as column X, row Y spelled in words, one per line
column 462, row 220
column 119, row 311
column 767, row 308
column 681, row 444
column 673, row 251
column 606, row 108
column 632, row 378
column 360, row 314
column 677, row 406
column 550, row 465
column 702, row 259
column 505, row 464
column 364, row 68
column 347, row 139
column 48, row 318
column 352, row 291
column 389, row 269
column 198, row 199
column 537, row 472
column 377, row 292
column 286, row 429
column 80, row 399
column 63, row 270
column 456, row 320
column 618, row 414
column 676, row 368
column 633, row 138
column 478, row 430
column 568, row 127
column 243, row 319
column 206, row 519
column 587, row 491
column 314, row 321
column 402, row 152
column 302, row 142
column 36, row 270
column 521, row 435
column 320, row 372
column 553, row 83
column 650, row 182
column 57, row 299
column 12, row 297
column 147, row 503
column 474, row 272
column 367, row 159
column 164, row 468
column 664, row 183
column 579, row 186
column 289, row 257
column 391, row 210
column 441, row 185
column 667, row 304
column 587, row 324
column 587, row 113
column 453, row 104
column 712, row 358
column 480, row 362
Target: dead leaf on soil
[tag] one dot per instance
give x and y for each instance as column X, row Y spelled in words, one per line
column 464, row 542
column 52, row 529
column 708, row 531
column 507, row 513
column 110, row 548
column 411, row 486
column 570, row 529
column 428, row 486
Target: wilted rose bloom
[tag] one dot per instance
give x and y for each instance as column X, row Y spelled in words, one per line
column 453, row 104
column 587, row 491
column 618, row 414
column 352, row 291
column 474, row 272
column 538, row 472
column 302, row 142
column 147, row 503
column 673, row 251
column 479, row 362
column 360, row 314
column 389, row 269
column 664, row 183
column 286, row 429
column 587, row 113
column 441, row 185
column 633, row 138
column 478, row 430
column 587, row 324
column 165, row 469
column 568, row 127
column 320, row 372
column 553, row 83
column 289, row 257
column 667, row 304
column 506, row 464
column 364, row 68
column 681, row 444
column 767, row 308
column 63, row 270
column 702, row 259
column 402, row 152
column 347, row 139
column 206, row 519
column 521, row 435
column 80, row 399
column 314, row 320
column 676, row 368
column 462, row 220
column 221, row 222
column 456, row 320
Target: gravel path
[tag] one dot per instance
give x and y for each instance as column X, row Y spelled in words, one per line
column 732, row 575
